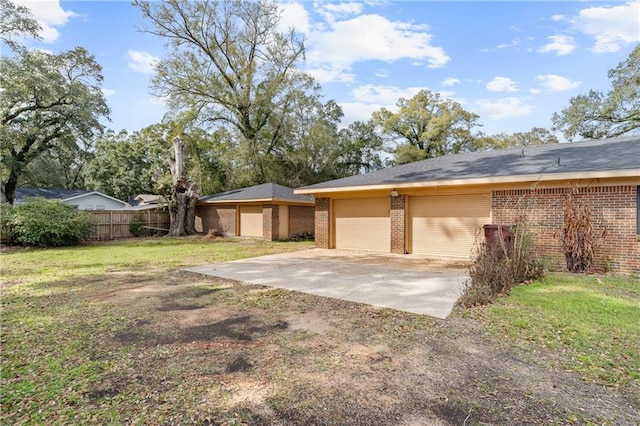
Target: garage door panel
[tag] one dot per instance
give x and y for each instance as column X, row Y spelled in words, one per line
column 251, row 221
column 447, row 226
column 362, row 224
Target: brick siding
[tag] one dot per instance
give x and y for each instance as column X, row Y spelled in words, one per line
column 398, row 225
column 271, row 222
column 322, row 227
column 301, row 219
column 217, row 218
column 613, row 209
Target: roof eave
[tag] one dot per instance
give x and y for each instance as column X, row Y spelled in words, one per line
column 491, row 180
column 257, row 200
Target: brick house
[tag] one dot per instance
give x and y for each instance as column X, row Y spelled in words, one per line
column 437, row 207
column 268, row 211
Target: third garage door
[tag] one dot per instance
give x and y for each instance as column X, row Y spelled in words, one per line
column 362, row 224
column 251, row 221
column 447, row 225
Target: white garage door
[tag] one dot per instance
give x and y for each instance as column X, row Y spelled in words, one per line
column 251, row 221
column 363, row 224
column 447, row 225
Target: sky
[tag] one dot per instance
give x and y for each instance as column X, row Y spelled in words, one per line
column 514, row 63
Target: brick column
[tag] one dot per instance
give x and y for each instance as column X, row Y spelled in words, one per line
column 398, row 225
column 271, row 222
column 322, row 233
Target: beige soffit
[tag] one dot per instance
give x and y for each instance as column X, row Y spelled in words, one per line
column 481, row 181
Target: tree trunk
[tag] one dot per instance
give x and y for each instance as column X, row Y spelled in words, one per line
column 9, row 187
column 183, row 199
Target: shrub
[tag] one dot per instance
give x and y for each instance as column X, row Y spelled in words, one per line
column 46, row 223
column 499, row 266
column 137, row 227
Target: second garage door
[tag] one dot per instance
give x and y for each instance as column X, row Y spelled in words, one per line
column 362, row 224
column 447, row 225
column 251, row 221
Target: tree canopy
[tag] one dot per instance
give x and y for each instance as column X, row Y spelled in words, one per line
column 16, row 22
column 427, row 126
column 48, row 102
column 229, row 64
column 598, row 115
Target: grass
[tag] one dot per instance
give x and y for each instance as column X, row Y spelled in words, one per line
column 57, row 348
column 592, row 321
column 85, row 341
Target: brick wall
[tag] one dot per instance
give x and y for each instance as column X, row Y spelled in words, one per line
column 271, row 222
column 301, row 219
column 398, row 227
column 613, row 211
column 217, row 218
column 322, row 228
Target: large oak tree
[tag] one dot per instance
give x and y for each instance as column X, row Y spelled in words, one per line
column 598, row 115
column 229, row 63
column 47, row 102
column 427, row 126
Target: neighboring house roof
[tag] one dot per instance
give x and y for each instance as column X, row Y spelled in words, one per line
column 264, row 192
column 614, row 157
column 147, row 198
column 58, row 194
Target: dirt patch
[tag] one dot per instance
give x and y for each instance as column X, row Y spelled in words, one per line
column 189, row 349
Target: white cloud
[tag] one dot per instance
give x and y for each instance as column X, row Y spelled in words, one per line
column 558, row 18
column 557, row 83
column 108, row 92
column 333, row 11
column 501, row 108
column 535, row 91
column 561, row 44
column 142, row 62
column 512, row 43
column 331, row 73
column 502, row 84
column 49, row 14
column 357, row 111
column 294, row 15
column 611, row 27
column 333, row 48
column 383, row 95
column 448, row 82
column 381, row 73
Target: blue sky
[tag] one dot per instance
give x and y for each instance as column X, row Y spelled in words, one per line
column 512, row 63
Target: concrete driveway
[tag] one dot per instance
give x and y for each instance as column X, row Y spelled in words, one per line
column 403, row 282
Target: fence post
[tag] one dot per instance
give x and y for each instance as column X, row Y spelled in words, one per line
column 110, row 225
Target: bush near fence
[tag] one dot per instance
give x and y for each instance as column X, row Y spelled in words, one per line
column 116, row 224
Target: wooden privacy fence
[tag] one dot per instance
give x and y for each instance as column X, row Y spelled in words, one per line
column 115, row 224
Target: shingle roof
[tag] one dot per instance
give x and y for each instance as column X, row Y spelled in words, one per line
column 57, row 194
column 265, row 191
column 588, row 156
column 50, row 193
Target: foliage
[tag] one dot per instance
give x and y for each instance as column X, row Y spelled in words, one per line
column 229, row 65
column 578, row 241
column 433, row 125
column 597, row 115
column 49, row 102
column 535, row 136
column 137, row 227
column 590, row 319
column 500, row 265
column 15, row 22
column 46, row 223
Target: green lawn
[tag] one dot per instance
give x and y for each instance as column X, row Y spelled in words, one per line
column 74, row 352
column 591, row 321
